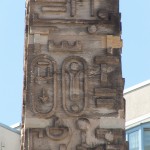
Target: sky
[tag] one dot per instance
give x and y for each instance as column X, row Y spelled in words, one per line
column 135, row 52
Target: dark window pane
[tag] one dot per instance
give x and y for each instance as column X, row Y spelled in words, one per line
column 146, row 139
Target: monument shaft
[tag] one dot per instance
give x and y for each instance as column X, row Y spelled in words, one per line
column 73, row 85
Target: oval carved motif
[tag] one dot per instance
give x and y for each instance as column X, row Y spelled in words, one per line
column 43, row 86
column 74, row 85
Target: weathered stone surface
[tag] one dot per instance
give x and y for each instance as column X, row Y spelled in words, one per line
column 73, row 85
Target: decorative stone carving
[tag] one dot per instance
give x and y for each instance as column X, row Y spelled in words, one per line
column 44, row 98
column 73, row 80
column 54, row 6
column 110, row 67
column 52, row 1
column 105, row 103
column 105, row 98
column 36, row 19
column 103, row 15
column 57, row 131
column 83, row 124
column 105, row 92
column 110, row 136
column 73, row 8
column 114, row 51
column 54, row 9
column 92, row 29
column 92, row 7
column 65, row 46
column 43, row 31
column 51, row 137
column 109, row 17
column 104, row 74
column 74, row 85
column 43, row 85
column 110, row 60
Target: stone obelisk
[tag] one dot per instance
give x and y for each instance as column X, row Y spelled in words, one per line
column 73, row 85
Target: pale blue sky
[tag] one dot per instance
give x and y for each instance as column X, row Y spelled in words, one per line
column 136, row 51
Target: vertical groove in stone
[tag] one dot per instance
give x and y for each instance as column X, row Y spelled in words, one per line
column 73, row 8
column 92, row 7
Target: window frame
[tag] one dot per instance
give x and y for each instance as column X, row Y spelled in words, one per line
column 140, row 128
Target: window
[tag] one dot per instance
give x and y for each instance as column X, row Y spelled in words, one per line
column 146, row 139
column 139, row 137
column 134, row 140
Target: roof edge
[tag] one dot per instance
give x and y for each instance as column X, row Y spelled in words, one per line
column 15, row 125
column 137, row 121
column 9, row 128
column 137, row 86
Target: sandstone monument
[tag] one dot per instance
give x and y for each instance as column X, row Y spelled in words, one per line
column 73, row 85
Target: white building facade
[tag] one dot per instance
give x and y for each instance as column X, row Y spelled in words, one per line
column 9, row 138
column 138, row 116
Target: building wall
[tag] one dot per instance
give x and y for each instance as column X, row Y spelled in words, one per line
column 138, row 116
column 9, row 140
column 137, row 102
column 139, row 137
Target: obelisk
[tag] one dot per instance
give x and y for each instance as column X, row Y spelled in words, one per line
column 73, row 85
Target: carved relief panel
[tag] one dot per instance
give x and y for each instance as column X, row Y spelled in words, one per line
column 110, row 136
column 75, row 11
column 65, row 46
column 74, row 78
column 54, row 137
column 83, row 124
column 74, row 85
column 43, row 86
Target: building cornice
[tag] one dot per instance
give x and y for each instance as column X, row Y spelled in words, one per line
column 136, row 87
column 9, row 128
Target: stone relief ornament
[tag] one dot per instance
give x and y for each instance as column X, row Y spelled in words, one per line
column 103, row 15
column 74, row 85
column 43, row 86
column 110, row 136
column 92, row 7
column 65, row 46
column 44, row 98
column 73, row 8
column 53, row 137
column 92, row 29
column 57, row 131
column 83, row 124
